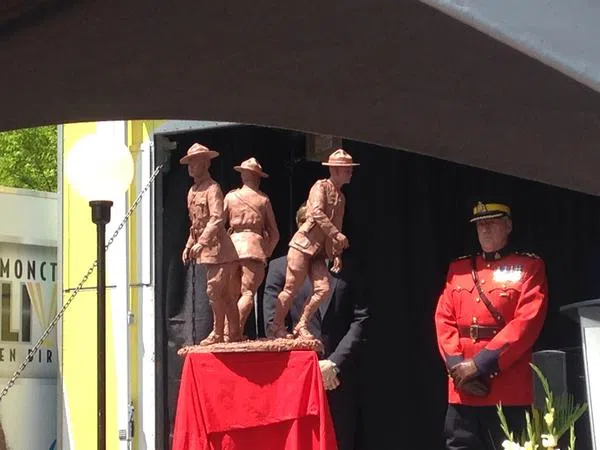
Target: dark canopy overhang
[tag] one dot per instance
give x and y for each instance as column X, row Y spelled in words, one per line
column 397, row 73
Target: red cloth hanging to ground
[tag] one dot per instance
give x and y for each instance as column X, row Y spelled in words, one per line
column 253, row 401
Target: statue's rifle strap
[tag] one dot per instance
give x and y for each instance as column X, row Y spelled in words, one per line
column 486, row 301
column 248, row 203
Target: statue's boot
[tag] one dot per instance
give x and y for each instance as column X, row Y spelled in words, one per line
column 212, row 338
column 301, row 328
column 301, row 332
column 229, row 336
column 245, row 306
column 235, row 337
column 277, row 329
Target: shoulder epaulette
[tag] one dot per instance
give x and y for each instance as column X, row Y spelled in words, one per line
column 529, row 255
column 462, row 257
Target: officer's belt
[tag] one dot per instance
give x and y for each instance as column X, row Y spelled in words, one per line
column 477, row 332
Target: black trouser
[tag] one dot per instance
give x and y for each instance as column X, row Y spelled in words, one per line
column 344, row 406
column 478, row 427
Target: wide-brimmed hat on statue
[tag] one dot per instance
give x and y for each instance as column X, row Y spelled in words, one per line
column 198, row 151
column 340, row 158
column 252, row 165
column 483, row 211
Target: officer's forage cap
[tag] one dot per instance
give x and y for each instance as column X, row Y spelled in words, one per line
column 483, row 211
column 198, row 151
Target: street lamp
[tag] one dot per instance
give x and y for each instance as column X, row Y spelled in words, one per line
column 100, row 170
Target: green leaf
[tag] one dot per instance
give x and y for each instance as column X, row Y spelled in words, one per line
column 566, row 412
column 503, row 424
column 538, row 424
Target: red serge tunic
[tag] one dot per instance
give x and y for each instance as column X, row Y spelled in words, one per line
column 516, row 286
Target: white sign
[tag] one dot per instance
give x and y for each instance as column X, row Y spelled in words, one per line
column 28, row 302
column 27, row 305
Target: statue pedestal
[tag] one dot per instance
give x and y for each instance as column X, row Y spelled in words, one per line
column 587, row 314
column 262, row 345
column 253, row 400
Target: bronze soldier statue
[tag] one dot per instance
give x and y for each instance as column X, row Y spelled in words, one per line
column 210, row 245
column 253, row 230
column 319, row 238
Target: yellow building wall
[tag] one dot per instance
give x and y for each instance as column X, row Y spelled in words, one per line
column 79, row 368
column 138, row 132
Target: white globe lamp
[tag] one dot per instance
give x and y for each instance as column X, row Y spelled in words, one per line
column 100, row 170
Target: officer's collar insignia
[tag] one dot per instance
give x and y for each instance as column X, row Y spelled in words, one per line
column 495, row 256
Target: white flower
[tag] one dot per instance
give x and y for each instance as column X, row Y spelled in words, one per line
column 510, row 445
column 549, row 418
column 528, row 446
column 549, row 441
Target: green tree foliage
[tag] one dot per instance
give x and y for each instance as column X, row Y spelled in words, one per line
column 28, row 158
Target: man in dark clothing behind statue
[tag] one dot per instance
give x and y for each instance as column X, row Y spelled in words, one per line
column 340, row 324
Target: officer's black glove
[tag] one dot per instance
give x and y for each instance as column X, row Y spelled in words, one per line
column 464, row 371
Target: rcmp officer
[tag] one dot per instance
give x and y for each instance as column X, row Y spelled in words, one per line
column 487, row 319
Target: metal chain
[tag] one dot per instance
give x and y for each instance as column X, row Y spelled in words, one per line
column 59, row 315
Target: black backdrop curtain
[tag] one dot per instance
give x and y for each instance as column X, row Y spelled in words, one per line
column 407, row 219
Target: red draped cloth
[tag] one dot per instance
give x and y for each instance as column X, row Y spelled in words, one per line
column 253, row 401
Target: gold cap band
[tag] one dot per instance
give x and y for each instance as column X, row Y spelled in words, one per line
column 491, row 208
column 483, row 211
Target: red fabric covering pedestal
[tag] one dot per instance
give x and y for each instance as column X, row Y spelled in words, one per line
column 252, row 401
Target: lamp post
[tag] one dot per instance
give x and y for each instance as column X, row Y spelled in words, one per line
column 100, row 170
